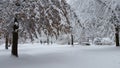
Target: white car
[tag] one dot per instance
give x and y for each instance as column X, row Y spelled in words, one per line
column 85, row 43
column 107, row 41
column 103, row 41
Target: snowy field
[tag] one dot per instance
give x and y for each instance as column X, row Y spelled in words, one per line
column 61, row 56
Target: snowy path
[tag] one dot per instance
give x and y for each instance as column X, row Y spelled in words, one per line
column 34, row 56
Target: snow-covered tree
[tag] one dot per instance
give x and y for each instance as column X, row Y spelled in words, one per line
column 37, row 18
column 98, row 17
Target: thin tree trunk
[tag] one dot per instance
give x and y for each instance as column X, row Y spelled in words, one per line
column 48, row 40
column 72, row 40
column 6, row 42
column 117, row 36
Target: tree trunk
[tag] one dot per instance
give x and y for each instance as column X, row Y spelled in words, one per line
column 117, row 36
column 6, row 42
column 48, row 40
column 15, row 44
column 72, row 40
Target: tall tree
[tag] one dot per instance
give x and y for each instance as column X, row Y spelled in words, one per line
column 37, row 18
column 113, row 17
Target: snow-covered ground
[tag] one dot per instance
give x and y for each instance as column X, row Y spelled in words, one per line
column 61, row 56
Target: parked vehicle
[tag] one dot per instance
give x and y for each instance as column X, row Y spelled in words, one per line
column 103, row 41
column 97, row 41
column 85, row 43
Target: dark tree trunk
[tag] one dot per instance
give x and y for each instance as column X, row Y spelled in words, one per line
column 41, row 41
column 117, row 36
column 14, row 51
column 72, row 40
column 6, row 42
column 15, row 44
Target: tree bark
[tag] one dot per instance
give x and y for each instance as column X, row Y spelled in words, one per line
column 15, row 44
column 117, row 36
column 6, row 42
column 72, row 40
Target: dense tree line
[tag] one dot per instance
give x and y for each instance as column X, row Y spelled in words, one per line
column 100, row 18
column 37, row 18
